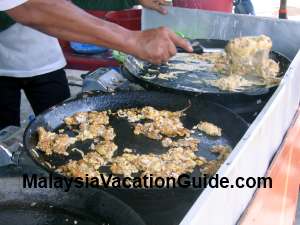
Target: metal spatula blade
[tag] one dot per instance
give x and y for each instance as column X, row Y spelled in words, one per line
column 5, row 156
column 200, row 49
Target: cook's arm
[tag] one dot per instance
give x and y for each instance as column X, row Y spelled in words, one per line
column 64, row 20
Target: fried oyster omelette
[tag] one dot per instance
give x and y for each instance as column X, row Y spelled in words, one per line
column 246, row 63
column 161, row 125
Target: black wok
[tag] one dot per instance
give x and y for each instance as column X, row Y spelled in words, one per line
column 186, row 83
column 50, row 206
column 154, row 205
column 247, row 104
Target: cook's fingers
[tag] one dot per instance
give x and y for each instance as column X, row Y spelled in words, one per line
column 158, row 6
column 180, row 42
column 163, row 2
column 172, row 49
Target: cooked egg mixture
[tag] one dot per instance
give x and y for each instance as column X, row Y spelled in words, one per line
column 210, row 129
column 165, row 126
column 247, row 64
column 244, row 63
column 250, row 56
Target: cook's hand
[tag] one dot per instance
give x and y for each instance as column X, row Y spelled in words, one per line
column 155, row 5
column 158, row 45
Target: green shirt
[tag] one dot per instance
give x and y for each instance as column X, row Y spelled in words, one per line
column 103, row 5
column 5, row 21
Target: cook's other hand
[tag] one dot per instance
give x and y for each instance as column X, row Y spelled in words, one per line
column 155, row 5
column 158, row 45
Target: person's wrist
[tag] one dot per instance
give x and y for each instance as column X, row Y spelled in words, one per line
column 116, row 37
column 131, row 42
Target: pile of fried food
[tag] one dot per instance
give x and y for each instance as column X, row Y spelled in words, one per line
column 244, row 63
column 165, row 126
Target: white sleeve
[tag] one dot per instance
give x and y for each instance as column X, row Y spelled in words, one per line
column 9, row 4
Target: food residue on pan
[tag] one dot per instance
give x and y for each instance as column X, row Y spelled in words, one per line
column 91, row 125
column 217, row 61
column 132, row 115
column 173, row 163
column 230, row 83
column 211, row 167
column 149, row 77
column 54, row 143
column 89, row 164
column 209, row 129
column 167, row 76
column 160, row 122
column 162, row 125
